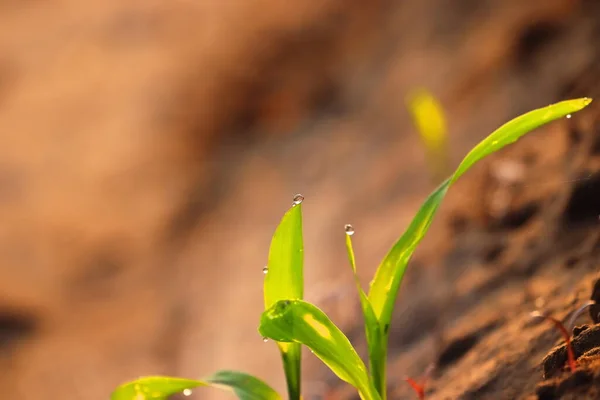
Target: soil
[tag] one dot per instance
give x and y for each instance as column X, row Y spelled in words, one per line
column 149, row 148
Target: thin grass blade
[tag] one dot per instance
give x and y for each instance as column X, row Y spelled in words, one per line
column 377, row 355
column 284, row 280
column 300, row 322
column 244, row 386
column 385, row 285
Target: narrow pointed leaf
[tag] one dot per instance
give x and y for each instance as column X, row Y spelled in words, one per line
column 297, row 321
column 244, row 386
column 385, row 285
column 377, row 354
column 284, row 280
column 514, row 129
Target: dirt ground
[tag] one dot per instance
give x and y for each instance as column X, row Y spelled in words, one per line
column 148, row 149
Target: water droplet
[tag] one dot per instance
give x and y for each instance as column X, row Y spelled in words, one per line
column 187, row 392
column 265, row 339
column 298, row 199
column 349, row 229
column 265, row 270
column 568, row 115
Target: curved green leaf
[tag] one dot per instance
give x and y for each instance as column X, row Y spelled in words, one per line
column 297, row 321
column 514, row 129
column 377, row 354
column 245, row 387
column 385, row 285
column 284, row 280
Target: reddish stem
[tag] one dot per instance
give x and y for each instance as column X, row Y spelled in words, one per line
column 418, row 388
column 559, row 325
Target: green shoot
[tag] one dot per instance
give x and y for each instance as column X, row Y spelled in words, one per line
column 372, row 330
column 284, row 280
column 246, row 387
column 292, row 322
column 386, row 284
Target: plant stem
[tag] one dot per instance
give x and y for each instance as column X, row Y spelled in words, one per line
column 291, row 354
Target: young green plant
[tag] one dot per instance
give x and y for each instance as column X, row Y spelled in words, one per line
column 378, row 304
column 292, row 322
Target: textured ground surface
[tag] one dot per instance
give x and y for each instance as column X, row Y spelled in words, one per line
column 147, row 151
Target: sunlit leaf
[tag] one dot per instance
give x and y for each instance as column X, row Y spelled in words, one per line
column 377, row 354
column 154, row 388
column 430, row 121
column 384, row 287
column 244, row 386
column 300, row 322
column 284, row 280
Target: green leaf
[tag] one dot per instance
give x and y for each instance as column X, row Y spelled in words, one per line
column 385, row 285
column 297, row 321
column 154, row 387
column 377, row 354
column 245, row 387
column 284, row 280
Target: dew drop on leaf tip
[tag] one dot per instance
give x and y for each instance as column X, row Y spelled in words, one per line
column 298, row 199
column 265, row 270
column 187, row 392
column 349, row 229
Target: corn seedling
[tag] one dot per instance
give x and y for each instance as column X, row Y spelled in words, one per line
column 292, row 322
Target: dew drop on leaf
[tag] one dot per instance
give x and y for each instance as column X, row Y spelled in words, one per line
column 349, row 229
column 187, row 392
column 298, row 199
column 265, row 339
column 568, row 115
column 265, row 270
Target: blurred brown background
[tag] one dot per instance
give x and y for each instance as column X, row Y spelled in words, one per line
column 148, row 149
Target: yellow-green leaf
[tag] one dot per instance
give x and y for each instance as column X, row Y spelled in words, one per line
column 154, row 388
column 244, row 386
column 284, row 280
column 297, row 321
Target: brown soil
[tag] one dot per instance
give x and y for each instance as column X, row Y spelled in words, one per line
column 149, row 148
